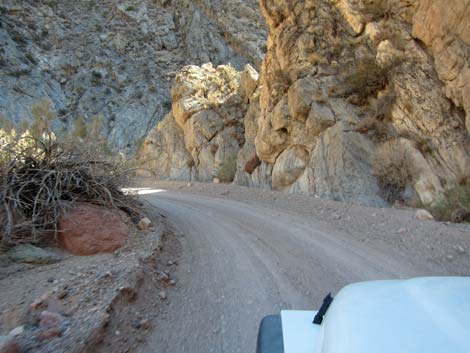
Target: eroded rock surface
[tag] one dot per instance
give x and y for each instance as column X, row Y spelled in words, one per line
column 444, row 27
column 348, row 93
column 205, row 128
column 116, row 59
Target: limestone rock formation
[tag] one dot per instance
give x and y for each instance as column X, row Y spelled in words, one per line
column 444, row 27
column 357, row 101
column 323, row 115
column 116, row 59
column 205, row 128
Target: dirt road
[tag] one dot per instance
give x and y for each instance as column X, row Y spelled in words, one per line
column 243, row 260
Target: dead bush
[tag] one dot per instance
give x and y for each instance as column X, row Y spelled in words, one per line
column 226, row 172
column 42, row 174
column 454, row 205
column 392, row 169
column 376, row 10
column 367, row 79
column 378, row 121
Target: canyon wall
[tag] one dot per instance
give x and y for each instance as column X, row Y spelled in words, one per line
column 116, row 59
column 357, row 101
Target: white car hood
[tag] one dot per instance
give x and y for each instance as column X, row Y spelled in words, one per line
column 423, row 315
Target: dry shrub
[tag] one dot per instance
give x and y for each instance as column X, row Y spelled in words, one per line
column 378, row 121
column 375, row 10
column 380, row 130
column 454, row 205
column 41, row 175
column 368, row 78
column 392, row 169
column 226, row 172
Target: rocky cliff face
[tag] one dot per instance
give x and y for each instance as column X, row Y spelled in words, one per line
column 444, row 28
column 116, row 59
column 205, row 129
column 358, row 101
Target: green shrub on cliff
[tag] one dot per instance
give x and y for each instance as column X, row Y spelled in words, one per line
column 454, row 205
column 226, row 172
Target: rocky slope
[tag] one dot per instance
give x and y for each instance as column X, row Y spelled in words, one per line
column 358, row 101
column 116, row 59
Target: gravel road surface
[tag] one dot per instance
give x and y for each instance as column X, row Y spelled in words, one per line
column 248, row 253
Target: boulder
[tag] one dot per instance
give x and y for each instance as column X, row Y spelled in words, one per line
column 280, row 118
column 144, row 224
column 423, row 215
column 30, row 254
column 88, row 229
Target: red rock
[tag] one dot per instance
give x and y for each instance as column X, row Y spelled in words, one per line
column 8, row 345
column 252, row 164
column 49, row 320
column 88, row 229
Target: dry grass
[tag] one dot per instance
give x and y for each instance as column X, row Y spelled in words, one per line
column 41, row 175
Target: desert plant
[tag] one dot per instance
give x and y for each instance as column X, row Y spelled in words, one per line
column 226, row 172
column 454, row 205
column 80, row 129
column 393, row 170
column 375, row 10
column 367, row 79
column 42, row 174
column 378, row 118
